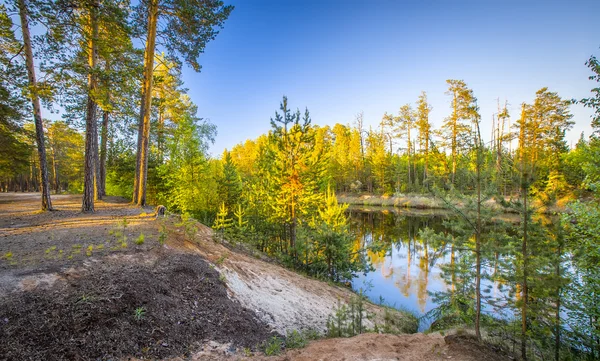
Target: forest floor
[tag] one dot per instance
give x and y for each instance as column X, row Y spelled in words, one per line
column 121, row 284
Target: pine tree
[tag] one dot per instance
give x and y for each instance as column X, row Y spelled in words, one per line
column 296, row 170
column 424, row 127
column 189, row 27
column 37, row 113
column 454, row 126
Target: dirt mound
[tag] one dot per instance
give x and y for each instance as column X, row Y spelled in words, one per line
column 147, row 306
column 468, row 345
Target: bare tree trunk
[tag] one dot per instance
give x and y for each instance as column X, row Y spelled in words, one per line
column 91, row 127
column 144, row 125
column 37, row 113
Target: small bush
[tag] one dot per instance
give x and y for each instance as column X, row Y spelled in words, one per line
column 140, row 240
column 273, row 346
column 295, row 340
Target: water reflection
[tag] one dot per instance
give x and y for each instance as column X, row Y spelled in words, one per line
column 406, row 267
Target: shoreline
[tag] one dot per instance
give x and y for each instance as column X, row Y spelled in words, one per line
column 427, row 202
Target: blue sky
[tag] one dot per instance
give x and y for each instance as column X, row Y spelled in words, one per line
column 341, row 57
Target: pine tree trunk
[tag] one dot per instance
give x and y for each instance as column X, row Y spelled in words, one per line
column 557, row 321
column 478, row 241
column 426, row 170
column 103, row 150
column 454, row 136
column 525, row 265
column 37, row 113
column 91, row 132
column 409, row 154
column 144, row 125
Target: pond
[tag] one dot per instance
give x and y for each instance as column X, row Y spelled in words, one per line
column 407, row 269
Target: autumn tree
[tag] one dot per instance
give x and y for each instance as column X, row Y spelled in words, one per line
column 296, row 169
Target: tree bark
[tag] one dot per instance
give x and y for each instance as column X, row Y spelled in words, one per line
column 525, row 265
column 454, row 135
column 478, row 241
column 37, row 113
column 91, row 131
column 144, row 121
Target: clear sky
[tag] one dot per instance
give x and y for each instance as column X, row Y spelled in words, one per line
column 341, row 57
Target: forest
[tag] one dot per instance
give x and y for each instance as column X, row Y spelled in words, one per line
column 128, row 128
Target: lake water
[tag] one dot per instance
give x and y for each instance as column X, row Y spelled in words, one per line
column 407, row 269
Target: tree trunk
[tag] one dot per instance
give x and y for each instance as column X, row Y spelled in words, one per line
column 478, row 241
column 525, row 265
column 454, row 136
column 103, row 149
column 144, row 121
column 91, row 132
column 37, row 113
column 426, row 170
column 409, row 188
column 558, row 299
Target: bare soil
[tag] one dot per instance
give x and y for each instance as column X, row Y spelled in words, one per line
column 76, row 286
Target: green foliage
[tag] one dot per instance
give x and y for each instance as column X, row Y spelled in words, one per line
column 162, row 234
column 222, row 222
column 583, row 296
column 187, row 182
column 119, row 231
column 140, row 240
column 348, row 319
column 594, row 101
column 139, row 313
column 190, row 227
column 295, row 339
column 273, row 346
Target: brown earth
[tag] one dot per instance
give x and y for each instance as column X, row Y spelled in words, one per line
column 197, row 299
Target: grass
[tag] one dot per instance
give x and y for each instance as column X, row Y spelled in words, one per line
column 139, row 313
column 221, row 259
column 295, row 339
column 399, row 200
column 140, row 240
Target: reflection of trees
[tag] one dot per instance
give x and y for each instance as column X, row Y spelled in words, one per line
column 399, row 235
